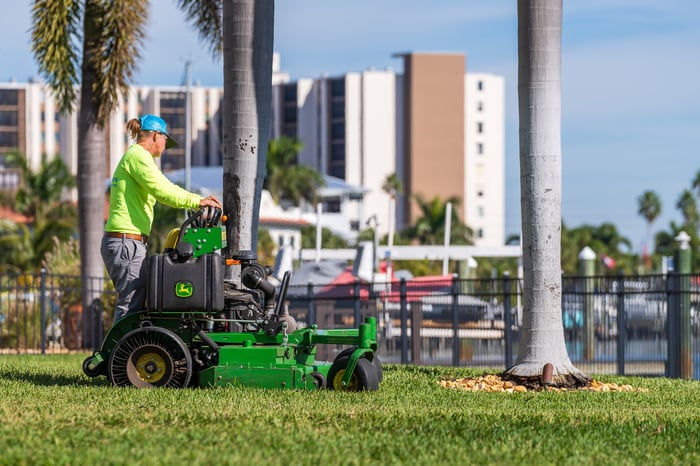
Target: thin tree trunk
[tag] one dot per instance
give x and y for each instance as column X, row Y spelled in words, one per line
column 248, row 27
column 91, row 187
column 539, row 95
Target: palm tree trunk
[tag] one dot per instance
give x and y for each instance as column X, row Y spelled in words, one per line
column 539, row 95
column 91, row 185
column 248, row 27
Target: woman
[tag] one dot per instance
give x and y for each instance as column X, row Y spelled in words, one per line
column 137, row 184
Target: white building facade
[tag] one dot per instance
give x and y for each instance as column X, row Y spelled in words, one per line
column 352, row 127
column 358, row 127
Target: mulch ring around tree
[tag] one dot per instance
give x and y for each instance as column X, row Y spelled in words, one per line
column 495, row 383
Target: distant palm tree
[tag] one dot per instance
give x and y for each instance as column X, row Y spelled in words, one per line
column 16, row 251
column 696, row 183
column 539, row 96
column 248, row 27
column 111, row 36
column 40, row 198
column 392, row 185
column 286, row 179
column 266, row 247
column 329, row 240
column 40, row 194
column 650, row 209
column 430, row 225
column 603, row 239
column 688, row 207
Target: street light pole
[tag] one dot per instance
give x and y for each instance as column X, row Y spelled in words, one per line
column 188, row 128
column 390, row 243
column 374, row 223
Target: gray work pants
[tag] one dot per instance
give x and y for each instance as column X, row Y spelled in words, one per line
column 126, row 261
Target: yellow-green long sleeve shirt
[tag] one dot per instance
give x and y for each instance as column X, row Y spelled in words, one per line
column 137, row 184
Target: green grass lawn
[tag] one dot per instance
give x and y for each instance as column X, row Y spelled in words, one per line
column 50, row 413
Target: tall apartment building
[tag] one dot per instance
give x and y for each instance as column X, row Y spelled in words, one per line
column 31, row 124
column 28, row 121
column 441, row 130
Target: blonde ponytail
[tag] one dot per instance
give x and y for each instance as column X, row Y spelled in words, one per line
column 133, row 128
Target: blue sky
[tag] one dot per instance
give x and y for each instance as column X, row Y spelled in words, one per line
column 630, row 81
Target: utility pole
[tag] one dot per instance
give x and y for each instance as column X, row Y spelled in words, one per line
column 188, row 127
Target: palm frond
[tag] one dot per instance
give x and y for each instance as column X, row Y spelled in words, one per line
column 55, row 30
column 205, row 16
column 115, row 51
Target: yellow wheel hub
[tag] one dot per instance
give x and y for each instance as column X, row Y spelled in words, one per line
column 338, row 381
column 150, row 367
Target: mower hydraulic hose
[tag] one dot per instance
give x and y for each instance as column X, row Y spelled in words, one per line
column 206, row 339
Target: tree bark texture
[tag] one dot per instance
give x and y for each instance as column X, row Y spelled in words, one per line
column 91, row 176
column 248, row 27
column 539, row 97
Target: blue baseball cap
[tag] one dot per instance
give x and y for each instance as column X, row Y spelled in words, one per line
column 155, row 123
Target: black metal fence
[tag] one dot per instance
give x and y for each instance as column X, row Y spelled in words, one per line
column 44, row 312
column 633, row 325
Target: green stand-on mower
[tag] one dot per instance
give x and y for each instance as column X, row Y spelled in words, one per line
column 201, row 330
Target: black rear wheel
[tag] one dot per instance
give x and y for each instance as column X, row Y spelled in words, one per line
column 150, row 357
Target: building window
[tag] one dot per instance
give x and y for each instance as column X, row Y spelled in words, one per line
column 338, row 109
column 338, row 130
column 331, row 205
column 290, row 93
column 480, row 106
column 480, row 148
column 480, row 233
column 9, row 139
column 480, row 85
column 336, row 126
column 479, row 127
column 289, row 111
column 338, row 87
column 8, row 119
column 8, row 97
column 480, row 211
column 336, row 166
column 480, row 193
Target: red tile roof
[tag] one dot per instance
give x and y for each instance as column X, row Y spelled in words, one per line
column 9, row 214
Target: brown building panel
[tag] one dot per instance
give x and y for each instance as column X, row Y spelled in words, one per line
column 13, row 124
column 433, row 127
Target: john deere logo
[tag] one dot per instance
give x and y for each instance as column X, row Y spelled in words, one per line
column 183, row 289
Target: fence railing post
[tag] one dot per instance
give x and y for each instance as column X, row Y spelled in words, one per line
column 621, row 324
column 672, row 315
column 42, row 310
column 685, row 353
column 507, row 321
column 403, row 314
column 683, row 260
column 356, row 291
column 455, row 321
column 587, row 269
column 311, row 317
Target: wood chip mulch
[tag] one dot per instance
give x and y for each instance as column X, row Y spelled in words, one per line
column 494, row 383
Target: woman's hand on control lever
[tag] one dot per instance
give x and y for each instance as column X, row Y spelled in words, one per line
column 210, row 201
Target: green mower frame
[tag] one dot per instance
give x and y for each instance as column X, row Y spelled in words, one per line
column 199, row 330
